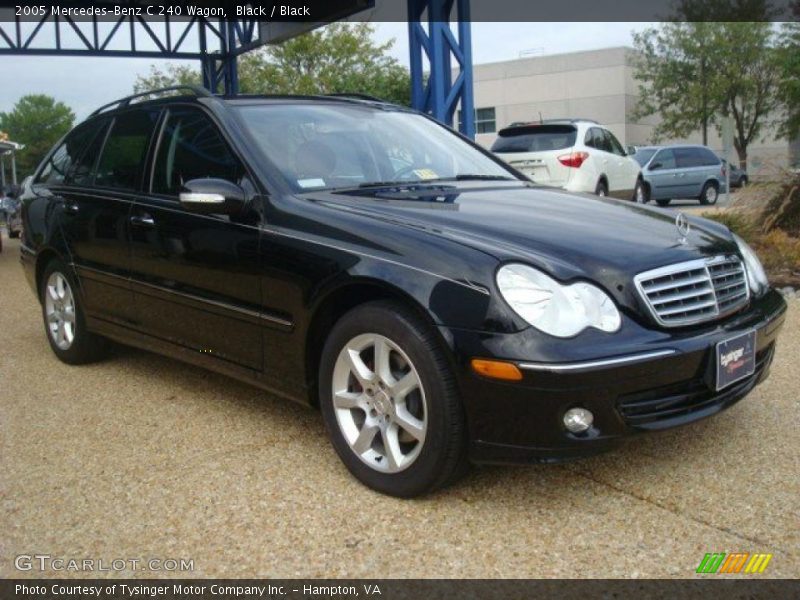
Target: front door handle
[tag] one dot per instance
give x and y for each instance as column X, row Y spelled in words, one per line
column 70, row 206
column 143, row 220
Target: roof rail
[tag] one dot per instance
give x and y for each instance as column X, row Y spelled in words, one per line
column 551, row 121
column 356, row 96
column 122, row 102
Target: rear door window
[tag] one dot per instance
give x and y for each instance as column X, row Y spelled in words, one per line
column 191, row 147
column 123, row 156
column 538, row 138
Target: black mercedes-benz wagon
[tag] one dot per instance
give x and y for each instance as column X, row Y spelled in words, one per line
column 436, row 305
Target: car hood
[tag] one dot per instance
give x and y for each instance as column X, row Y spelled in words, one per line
column 568, row 235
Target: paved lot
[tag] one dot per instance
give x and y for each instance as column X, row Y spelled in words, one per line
column 144, row 457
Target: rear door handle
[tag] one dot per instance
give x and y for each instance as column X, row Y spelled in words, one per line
column 143, row 220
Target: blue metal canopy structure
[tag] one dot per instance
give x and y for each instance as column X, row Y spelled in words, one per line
column 441, row 59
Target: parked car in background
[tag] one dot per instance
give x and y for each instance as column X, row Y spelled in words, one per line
column 738, row 177
column 577, row 155
column 10, row 215
column 683, row 171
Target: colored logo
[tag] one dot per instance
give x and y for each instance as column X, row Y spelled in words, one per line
column 736, row 562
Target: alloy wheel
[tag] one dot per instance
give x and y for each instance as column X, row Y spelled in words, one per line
column 60, row 311
column 379, row 403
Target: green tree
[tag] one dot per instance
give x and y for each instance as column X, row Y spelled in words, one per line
column 172, row 74
column 38, row 121
column 789, row 65
column 338, row 58
column 692, row 71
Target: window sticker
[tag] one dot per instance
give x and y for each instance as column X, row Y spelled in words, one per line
column 311, row 183
column 426, row 173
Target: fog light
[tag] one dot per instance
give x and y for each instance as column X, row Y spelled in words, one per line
column 578, row 420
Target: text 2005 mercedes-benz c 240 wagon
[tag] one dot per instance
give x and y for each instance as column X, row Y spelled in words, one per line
column 437, row 306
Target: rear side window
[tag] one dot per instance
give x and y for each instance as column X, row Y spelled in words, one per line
column 66, row 155
column 192, row 148
column 596, row 138
column 121, row 162
column 613, row 143
column 537, row 138
column 82, row 171
column 695, row 157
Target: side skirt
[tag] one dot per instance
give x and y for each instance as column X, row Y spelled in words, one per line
column 131, row 337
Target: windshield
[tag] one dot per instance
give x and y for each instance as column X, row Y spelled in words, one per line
column 539, row 138
column 643, row 155
column 327, row 146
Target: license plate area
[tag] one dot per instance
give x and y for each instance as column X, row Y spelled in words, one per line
column 735, row 359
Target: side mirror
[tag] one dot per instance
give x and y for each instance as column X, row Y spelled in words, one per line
column 655, row 165
column 212, row 196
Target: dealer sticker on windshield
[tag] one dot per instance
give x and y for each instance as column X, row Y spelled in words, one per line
column 736, row 359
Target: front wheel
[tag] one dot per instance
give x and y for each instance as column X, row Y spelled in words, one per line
column 709, row 193
column 64, row 321
column 390, row 403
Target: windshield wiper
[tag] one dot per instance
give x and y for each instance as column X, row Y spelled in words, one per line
column 477, row 177
column 425, row 183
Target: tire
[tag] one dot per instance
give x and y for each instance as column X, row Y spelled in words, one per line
column 742, row 181
column 13, row 234
column 69, row 339
column 436, row 454
column 664, row 201
column 709, row 194
column 641, row 193
column 601, row 189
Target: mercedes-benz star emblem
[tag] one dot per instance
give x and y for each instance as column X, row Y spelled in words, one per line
column 682, row 223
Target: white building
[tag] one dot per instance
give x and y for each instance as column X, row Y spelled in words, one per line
column 596, row 84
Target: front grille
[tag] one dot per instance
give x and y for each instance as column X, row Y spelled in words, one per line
column 694, row 291
column 658, row 408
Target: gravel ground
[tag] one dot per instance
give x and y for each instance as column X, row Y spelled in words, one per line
column 144, row 457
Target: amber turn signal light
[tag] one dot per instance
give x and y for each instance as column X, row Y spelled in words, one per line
column 496, row 369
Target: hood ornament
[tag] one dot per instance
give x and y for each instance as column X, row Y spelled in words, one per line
column 683, row 227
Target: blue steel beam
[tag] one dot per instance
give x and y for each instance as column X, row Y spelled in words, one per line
column 440, row 95
column 214, row 42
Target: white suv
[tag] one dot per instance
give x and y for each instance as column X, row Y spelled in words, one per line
column 577, row 155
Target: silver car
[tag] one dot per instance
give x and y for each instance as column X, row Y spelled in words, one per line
column 684, row 171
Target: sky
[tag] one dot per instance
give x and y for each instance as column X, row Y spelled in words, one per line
column 85, row 83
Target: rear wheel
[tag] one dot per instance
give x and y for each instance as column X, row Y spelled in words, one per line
column 641, row 193
column 601, row 189
column 709, row 194
column 390, row 403
column 64, row 321
column 664, row 201
column 743, row 181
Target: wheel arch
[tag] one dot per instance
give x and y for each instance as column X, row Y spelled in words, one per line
column 336, row 303
column 44, row 257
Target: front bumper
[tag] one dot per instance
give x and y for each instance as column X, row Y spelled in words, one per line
column 635, row 380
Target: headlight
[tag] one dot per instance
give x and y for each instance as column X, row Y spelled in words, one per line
column 756, row 277
column 560, row 310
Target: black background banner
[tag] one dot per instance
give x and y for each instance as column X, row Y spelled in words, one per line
column 712, row 586
column 397, row 10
